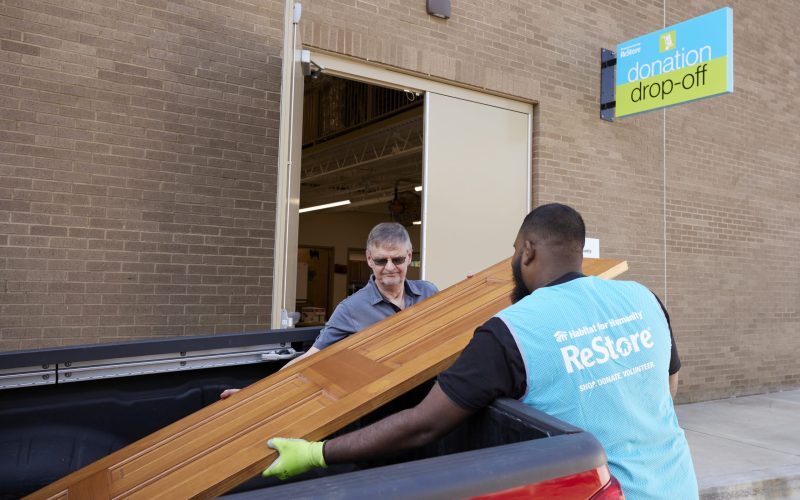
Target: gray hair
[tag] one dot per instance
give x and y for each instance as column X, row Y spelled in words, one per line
column 390, row 233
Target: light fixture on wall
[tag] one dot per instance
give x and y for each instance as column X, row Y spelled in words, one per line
column 405, row 207
column 327, row 205
column 438, row 8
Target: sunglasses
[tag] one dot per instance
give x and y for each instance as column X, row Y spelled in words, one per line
column 397, row 261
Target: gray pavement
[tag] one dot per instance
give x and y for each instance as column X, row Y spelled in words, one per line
column 746, row 447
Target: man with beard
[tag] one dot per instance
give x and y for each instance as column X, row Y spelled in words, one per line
column 595, row 353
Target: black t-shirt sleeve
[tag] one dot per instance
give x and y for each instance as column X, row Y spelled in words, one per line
column 674, row 359
column 490, row 366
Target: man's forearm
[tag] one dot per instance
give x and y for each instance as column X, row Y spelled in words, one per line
column 392, row 434
column 433, row 417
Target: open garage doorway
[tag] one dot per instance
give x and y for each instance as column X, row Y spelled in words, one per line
column 451, row 164
column 361, row 164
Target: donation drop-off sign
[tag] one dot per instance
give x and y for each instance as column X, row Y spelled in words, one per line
column 684, row 62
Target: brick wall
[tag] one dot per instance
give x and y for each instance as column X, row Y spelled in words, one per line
column 733, row 213
column 701, row 198
column 138, row 151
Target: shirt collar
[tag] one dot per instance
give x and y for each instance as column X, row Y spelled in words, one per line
column 412, row 288
column 566, row 278
column 376, row 297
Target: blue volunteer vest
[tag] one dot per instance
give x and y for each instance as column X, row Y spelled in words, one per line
column 597, row 355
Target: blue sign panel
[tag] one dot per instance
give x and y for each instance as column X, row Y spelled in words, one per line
column 684, row 62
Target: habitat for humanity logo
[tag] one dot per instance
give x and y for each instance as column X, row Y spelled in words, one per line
column 561, row 336
column 667, row 41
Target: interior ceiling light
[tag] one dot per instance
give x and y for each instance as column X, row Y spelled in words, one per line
column 417, row 222
column 418, row 188
column 327, row 205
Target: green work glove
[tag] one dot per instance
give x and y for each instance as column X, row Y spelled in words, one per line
column 295, row 456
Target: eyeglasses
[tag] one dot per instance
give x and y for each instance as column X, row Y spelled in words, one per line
column 397, row 261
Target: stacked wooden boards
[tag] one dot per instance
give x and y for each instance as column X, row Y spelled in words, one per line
column 224, row 444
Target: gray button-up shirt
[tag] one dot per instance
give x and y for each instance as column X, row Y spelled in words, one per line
column 366, row 307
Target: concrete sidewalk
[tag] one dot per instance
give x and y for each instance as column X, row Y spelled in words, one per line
column 746, row 447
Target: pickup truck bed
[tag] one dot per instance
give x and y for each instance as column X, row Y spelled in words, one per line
column 50, row 430
column 515, row 451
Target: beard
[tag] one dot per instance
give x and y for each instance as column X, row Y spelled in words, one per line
column 520, row 291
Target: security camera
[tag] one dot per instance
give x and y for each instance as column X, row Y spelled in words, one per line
column 316, row 72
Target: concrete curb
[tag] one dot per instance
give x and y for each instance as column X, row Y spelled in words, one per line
column 780, row 484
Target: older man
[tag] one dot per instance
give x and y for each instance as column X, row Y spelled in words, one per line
column 387, row 292
column 528, row 351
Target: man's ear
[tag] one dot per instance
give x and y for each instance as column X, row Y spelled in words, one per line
column 528, row 252
column 369, row 259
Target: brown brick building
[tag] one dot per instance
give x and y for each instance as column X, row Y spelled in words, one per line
column 142, row 144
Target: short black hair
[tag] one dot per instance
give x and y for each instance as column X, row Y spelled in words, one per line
column 557, row 225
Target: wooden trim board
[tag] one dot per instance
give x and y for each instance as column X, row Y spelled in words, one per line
column 209, row 452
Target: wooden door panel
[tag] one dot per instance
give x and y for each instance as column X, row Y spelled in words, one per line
column 224, row 444
column 345, row 373
column 218, row 429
